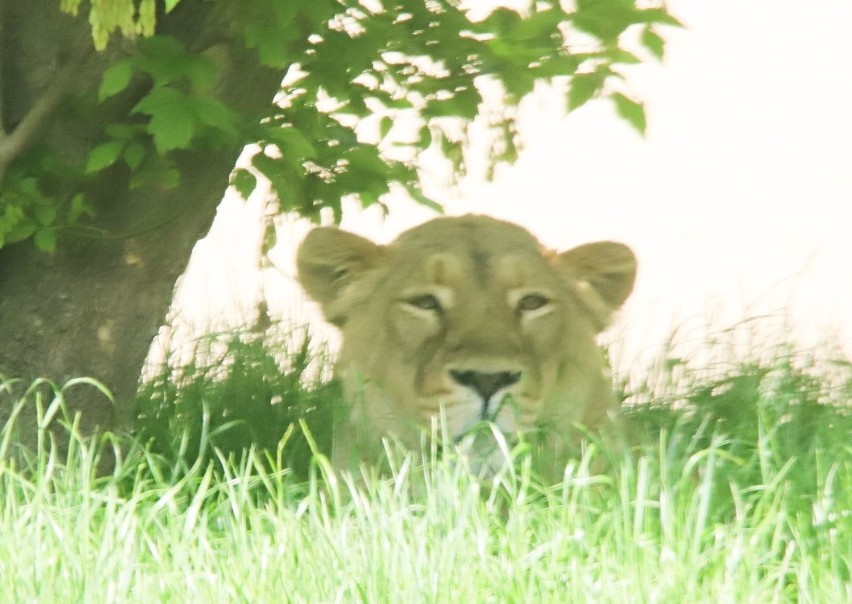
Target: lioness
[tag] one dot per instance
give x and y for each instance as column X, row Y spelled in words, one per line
column 467, row 316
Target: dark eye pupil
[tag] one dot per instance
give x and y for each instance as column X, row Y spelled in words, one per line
column 532, row 302
column 427, row 302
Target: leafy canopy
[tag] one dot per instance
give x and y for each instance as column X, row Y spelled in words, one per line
column 367, row 87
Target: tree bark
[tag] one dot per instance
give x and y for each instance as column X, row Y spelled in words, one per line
column 93, row 307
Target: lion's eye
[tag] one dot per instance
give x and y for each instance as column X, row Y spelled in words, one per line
column 531, row 302
column 425, row 302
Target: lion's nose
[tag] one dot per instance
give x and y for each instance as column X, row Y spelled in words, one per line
column 485, row 384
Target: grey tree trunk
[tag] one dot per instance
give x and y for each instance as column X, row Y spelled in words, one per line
column 93, row 307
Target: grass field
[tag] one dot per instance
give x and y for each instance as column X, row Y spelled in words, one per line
column 740, row 491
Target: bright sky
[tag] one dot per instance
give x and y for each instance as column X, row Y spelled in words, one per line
column 737, row 202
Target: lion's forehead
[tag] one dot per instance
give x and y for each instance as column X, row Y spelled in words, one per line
column 472, row 268
column 471, row 252
column 468, row 231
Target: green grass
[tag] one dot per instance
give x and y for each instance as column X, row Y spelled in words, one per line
column 740, row 490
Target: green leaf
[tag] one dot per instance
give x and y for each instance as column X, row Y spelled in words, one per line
column 270, row 237
column 215, row 113
column 273, row 33
column 424, row 138
column 160, row 100
column 45, row 240
column 653, row 42
column 115, row 79
column 244, row 182
column 630, row 110
column 134, row 154
column 519, row 81
column 12, row 215
column 170, row 4
column 373, row 190
column 173, row 130
column 453, row 151
column 397, row 103
column 201, row 71
column 292, row 142
column 123, row 131
column 619, row 55
column 420, row 198
column 155, row 170
column 79, row 208
column 164, row 58
column 146, row 17
column 23, row 230
column 385, row 125
column 583, row 87
column 605, row 19
column 104, row 155
column 366, row 159
column 500, row 21
column 657, row 15
column 563, row 65
column 287, row 179
column 173, row 123
column 367, row 199
column 45, row 214
column 29, row 187
column 538, row 28
column 464, row 103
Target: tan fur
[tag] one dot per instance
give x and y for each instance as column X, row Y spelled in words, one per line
column 458, row 306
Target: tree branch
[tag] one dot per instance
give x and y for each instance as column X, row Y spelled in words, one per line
column 13, row 143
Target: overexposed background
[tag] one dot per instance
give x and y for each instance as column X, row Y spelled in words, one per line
column 738, row 202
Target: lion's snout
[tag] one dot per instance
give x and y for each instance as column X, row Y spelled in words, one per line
column 486, row 385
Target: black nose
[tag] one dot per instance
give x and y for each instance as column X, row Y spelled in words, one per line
column 485, row 384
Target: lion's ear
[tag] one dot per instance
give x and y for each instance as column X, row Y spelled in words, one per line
column 605, row 272
column 328, row 261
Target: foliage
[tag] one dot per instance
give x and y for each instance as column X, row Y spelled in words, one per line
column 367, row 89
column 130, row 17
column 240, row 397
column 718, row 501
column 32, row 201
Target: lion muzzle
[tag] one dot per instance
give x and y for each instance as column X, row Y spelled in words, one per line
column 486, row 385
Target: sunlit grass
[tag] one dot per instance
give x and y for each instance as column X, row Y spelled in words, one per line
column 739, row 490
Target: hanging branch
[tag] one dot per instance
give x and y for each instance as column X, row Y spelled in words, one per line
column 12, row 143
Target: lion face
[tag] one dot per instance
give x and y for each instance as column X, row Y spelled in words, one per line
column 467, row 319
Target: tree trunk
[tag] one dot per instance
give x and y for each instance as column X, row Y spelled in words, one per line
column 93, row 307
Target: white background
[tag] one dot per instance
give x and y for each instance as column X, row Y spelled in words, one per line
column 738, row 202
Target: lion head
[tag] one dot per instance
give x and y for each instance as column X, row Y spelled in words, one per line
column 468, row 319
